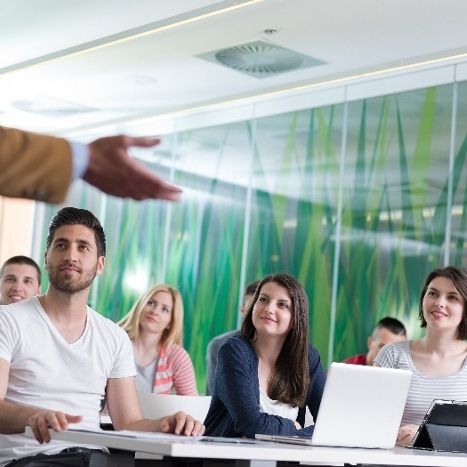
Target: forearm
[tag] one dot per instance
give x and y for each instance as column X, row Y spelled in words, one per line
column 179, row 423
column 34, row 166
column 13, row 417
column 141, row 425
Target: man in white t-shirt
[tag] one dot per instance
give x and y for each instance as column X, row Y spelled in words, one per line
column 58, row 357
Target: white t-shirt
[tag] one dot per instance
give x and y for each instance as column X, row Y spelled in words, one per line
column 423, row 389
column 48, row 372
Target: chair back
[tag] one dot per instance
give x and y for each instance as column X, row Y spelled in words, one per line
column 160, row 405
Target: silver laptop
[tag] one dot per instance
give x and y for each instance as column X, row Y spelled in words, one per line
column 362, row 407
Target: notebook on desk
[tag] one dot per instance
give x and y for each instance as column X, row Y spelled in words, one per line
column 362, row 407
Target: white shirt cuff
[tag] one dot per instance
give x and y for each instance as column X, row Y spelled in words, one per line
column 80, row 158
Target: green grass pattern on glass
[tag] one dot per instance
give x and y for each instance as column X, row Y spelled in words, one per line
column 394, row 215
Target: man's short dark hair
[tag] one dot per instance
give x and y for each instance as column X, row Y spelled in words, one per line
column 393, row 325
column 20, row 259
column 75, row 216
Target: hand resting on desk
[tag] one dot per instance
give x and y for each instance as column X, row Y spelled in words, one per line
column 406, row 435
column 181, row 424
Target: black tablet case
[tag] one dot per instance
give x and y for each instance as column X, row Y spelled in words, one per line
column 444, row 427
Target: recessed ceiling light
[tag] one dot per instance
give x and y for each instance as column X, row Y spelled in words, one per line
column 140, row 80
column 50, row 107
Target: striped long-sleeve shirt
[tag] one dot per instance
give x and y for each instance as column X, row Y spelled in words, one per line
column 423, row 389
column 174, row 372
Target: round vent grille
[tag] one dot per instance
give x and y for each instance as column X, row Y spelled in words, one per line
column 259, row 58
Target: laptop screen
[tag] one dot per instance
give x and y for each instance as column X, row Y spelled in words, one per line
column 362, row 406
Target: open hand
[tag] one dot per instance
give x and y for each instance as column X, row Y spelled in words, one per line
column 40, row 423
column 112, row 170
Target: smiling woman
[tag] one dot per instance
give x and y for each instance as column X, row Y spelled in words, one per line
column 438, row 361
column 266, row 377
column 155, row 327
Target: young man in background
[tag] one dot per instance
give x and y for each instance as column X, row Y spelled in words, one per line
column 387, row 331
column 20, row 279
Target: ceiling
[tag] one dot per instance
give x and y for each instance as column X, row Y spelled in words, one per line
column 53, row 77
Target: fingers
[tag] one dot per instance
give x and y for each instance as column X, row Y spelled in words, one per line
column 406, row 434
column 40, row 423
column 182, row 424
column 140, row 141
column 112, row 170
column 198, row 430
column 125, row 141
column 145, row 184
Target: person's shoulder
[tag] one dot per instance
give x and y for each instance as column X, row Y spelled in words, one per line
column 394, row 355
column 175, row 350
column 218, row 340
column 105, row 324
column 7, row 313
column 359, row 359
column 396, row 348
column 313, row 354
column 236, row 343
column 17, row 311
column 101, row 319
column 237, row 339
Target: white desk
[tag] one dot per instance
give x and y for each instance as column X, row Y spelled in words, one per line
column 182, row 447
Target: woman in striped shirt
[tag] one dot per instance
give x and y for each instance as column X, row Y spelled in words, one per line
column 438, row 361
column 155, row 327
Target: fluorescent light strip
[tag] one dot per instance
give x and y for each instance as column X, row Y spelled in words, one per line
column 134, row 33
column 330, row 82
column 306, row 87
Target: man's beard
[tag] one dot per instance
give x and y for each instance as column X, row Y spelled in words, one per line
column 69, row 285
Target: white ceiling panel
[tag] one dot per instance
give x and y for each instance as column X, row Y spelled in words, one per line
column 160, row 72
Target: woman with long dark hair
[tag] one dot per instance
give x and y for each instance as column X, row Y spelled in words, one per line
column 438, row 360
column 268, row 374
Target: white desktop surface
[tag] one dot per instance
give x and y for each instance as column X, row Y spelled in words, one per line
column 179, row 446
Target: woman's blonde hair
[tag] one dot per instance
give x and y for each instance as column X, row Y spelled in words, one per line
column 172, row 335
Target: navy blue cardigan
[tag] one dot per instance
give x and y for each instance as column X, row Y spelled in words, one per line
column 235, row 410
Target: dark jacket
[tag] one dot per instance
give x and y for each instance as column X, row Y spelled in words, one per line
column 235, row 410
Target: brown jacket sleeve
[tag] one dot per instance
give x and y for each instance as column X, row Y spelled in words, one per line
column 34, row 166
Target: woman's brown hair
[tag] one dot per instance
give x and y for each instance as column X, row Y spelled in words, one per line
column 289, row 380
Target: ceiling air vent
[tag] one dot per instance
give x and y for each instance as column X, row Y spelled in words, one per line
column 260, row 59
column 50, row 107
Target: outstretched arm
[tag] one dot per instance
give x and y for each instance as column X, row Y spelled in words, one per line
column 39, row 167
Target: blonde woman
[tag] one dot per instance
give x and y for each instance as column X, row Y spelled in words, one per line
column 155, row 327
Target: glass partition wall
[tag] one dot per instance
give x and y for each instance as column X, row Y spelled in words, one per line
column 359, row 200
